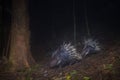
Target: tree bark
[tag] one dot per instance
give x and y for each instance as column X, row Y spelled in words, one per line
column 20, row 55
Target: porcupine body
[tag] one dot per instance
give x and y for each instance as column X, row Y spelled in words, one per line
column 90, row 46
column 67, row 53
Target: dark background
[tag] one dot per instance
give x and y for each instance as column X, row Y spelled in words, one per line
column 54, row 18
column 51, row 21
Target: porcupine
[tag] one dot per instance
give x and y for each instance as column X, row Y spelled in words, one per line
column 67, row 54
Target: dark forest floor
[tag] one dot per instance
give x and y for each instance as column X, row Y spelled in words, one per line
column 104, row 65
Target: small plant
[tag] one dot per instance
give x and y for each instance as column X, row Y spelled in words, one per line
column 72, row 75
column 86, row 78
column 5, row 65
column 108, row 67
column 74, row 72
column 27, row 72
column 68, row 77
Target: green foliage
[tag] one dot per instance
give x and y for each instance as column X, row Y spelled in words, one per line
column 72, row 75
column 117, row 60
column 108, row 66
column 27, row 72
column 68, row 77
column 86, row 78
column 8, row 66
column 74, row 72
column 5, row 64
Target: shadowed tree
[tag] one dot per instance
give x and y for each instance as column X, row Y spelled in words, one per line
column 20, row 55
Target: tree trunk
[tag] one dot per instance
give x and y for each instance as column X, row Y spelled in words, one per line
column 20, row 55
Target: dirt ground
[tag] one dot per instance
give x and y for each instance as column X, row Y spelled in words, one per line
column 104, row 65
